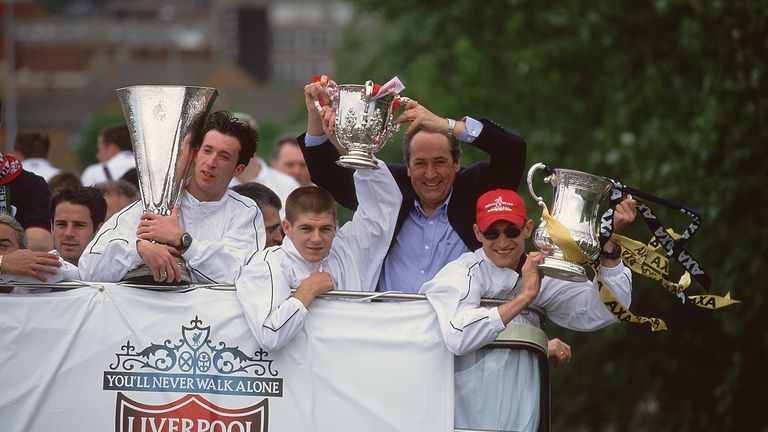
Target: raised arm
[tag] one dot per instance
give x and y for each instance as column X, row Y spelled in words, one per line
column 506, row 164
column 321, row 162
column 577, row 305
column 506, row 150
column 321, row 157
column 370, row 231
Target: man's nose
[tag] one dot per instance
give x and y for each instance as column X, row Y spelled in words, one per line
column 430, row 172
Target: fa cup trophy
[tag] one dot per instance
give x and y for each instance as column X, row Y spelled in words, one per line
column 162, row 121
column 575, row 203
column 364, row 121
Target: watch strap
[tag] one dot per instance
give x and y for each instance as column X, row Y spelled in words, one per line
column 451, row 127
column 615, row 253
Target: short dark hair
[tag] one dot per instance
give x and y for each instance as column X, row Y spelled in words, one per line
column 32, row 144
column 308, row 199
column 63, row 180
column 87, row 196
column 228, row 124
column 453, row 146
column 119, row 187
column 117, row 134
column 261, row 194
column 282, row 142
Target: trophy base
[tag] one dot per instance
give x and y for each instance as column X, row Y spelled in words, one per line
column 558, row 268
column 357, row 159
column 142, row 275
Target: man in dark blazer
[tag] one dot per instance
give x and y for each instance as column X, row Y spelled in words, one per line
column 434, row 224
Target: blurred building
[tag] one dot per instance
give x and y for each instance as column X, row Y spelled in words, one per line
column 67, row 63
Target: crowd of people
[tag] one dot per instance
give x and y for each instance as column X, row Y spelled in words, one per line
column 427, row 225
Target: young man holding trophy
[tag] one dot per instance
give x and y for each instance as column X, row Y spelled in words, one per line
column 502, row 270
column 315, row 257
column 207, row 236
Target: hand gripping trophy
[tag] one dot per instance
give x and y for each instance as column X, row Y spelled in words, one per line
column 162, row 121
column 570, row 233
column 364, row 119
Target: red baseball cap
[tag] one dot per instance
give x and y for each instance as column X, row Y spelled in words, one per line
column 500, row 204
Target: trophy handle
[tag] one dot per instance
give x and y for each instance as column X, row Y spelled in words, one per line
column 368, row 87
column 534, row 168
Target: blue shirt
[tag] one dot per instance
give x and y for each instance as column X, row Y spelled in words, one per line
column 424, row 245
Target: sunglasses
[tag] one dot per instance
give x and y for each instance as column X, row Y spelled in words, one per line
column 510, row 232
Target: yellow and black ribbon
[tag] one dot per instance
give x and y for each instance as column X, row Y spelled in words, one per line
column 644, row 259
column 647, row 261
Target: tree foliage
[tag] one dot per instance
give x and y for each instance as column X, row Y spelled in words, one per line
column 667, row 96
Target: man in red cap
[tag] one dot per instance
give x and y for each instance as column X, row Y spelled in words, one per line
column 502, row 270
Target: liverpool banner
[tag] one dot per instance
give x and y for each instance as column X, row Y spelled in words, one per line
column 109, row 357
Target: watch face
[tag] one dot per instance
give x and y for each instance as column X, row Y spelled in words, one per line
column 186, row 240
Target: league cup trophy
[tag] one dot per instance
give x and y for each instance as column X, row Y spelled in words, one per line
column 162, row 121
column 364, row 121
column 575, row 203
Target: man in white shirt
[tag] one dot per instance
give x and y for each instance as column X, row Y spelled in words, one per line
column 502, row 270
column 32, row 150
column 213, row 230
column 21, row 265
column 114, row 153
column 315, row 259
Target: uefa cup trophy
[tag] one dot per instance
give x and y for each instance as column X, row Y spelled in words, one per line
column 163, row 121
column 575, row 203
column 364, row 122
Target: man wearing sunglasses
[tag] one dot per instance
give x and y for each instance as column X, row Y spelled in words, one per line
column 502, row 270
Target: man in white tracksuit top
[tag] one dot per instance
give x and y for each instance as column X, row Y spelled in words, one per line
column 500, row 270
column 315, row 259
column 213, row 230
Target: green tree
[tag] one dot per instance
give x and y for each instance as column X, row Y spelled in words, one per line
column 667, row 96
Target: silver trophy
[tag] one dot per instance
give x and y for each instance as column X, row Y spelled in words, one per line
column 575, row 204
column 364, row 123
column 162, row 121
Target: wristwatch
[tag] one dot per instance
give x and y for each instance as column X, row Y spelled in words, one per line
column 186, row 241
column 451, row 127
column 614, row 254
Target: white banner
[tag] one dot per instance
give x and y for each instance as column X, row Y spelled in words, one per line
column 129, row 360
